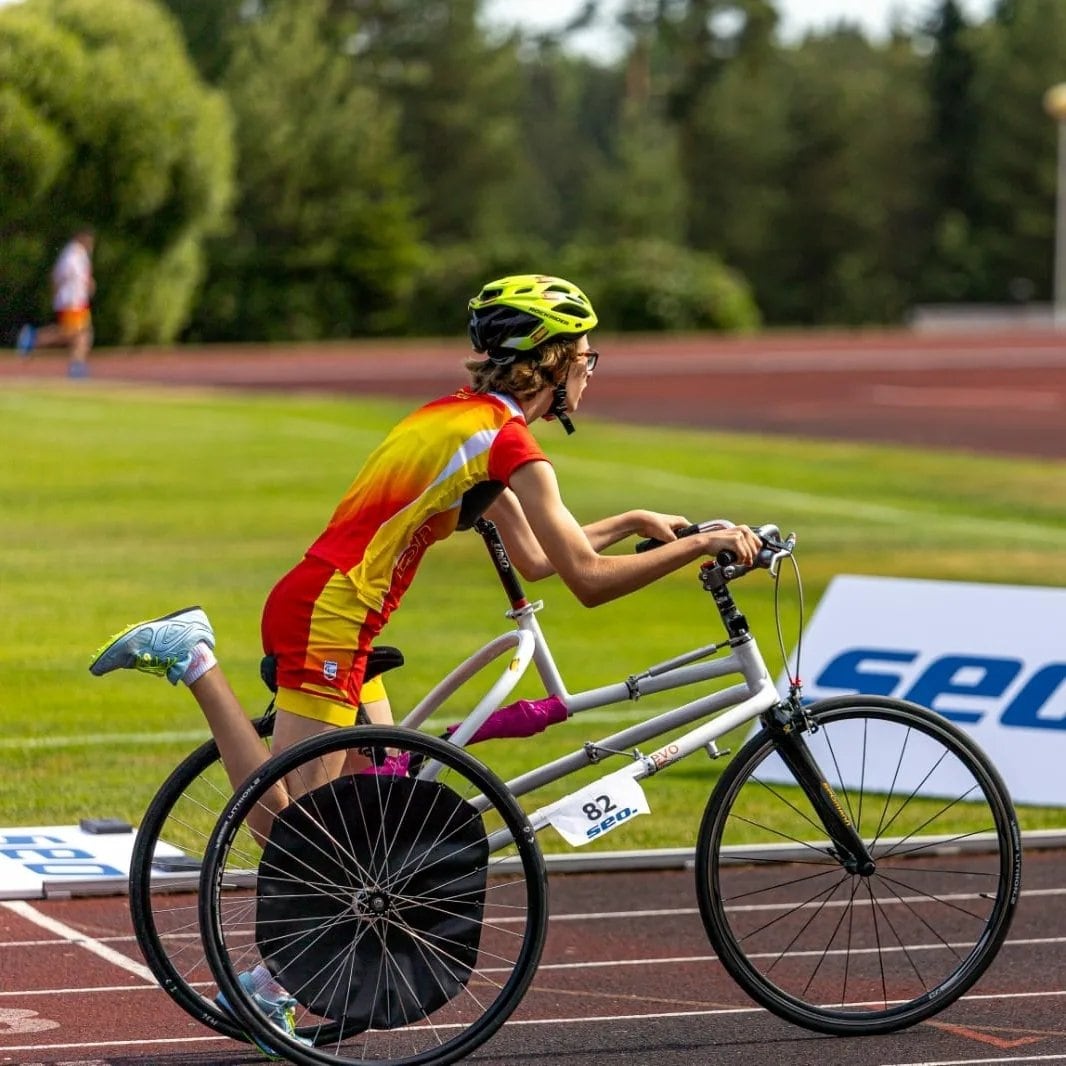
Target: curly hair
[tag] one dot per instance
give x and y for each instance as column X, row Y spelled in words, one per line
column 547, row 364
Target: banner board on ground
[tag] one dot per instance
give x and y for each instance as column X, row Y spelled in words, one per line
column 990, row 658
column 60, row 860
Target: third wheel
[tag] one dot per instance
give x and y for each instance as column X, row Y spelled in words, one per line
column 394, row 890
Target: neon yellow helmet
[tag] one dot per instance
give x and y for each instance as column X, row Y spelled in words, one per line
column 518, row 313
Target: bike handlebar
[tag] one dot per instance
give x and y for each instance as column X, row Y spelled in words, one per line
column 773, row 551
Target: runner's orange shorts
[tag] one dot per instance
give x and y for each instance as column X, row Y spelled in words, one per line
column 74, row 321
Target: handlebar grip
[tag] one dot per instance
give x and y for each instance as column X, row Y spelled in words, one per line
column 651, row 542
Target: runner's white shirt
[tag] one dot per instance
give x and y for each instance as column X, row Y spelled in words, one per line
column 72, row 277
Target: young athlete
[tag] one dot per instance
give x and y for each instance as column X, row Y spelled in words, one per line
column 459, row 457
column 447, row 463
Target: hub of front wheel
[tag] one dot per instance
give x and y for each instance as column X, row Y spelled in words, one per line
column 862, row 867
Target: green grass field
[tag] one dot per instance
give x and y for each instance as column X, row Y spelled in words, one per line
column 120, row 503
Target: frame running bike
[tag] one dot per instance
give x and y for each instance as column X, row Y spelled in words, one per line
column 857, row 864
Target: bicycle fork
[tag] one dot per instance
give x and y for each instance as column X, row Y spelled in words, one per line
column 848, row 847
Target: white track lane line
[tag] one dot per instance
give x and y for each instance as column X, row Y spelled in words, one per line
column 976, row 1062
column 72, row 936
column 116, row 1043
column 593, row 1020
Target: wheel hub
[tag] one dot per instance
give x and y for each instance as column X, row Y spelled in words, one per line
column 371, row 903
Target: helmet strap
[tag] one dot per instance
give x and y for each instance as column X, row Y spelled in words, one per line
column 559, row 409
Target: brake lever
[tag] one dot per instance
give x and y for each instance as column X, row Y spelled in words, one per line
column 782, row 550
column 769, row 557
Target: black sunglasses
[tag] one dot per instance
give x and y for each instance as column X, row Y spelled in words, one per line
column 592, row 357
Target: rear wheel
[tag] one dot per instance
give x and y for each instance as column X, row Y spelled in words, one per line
column 165, row 879
column 405, row 915
column 837, row 951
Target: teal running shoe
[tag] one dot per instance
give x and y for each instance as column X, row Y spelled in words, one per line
column 160, row 646
column 280, row 1011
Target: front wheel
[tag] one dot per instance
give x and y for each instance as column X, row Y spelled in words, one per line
column 858, row 953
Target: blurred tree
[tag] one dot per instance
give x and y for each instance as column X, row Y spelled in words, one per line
column 648, row 284
column 743, row 190
column 681, row 50
column 325, row 242
column 642, row 194
column 811, row 176
column 848, row 245
column 106, row 122
column 457, row 92
column 568, row 111
column 952, row 270
column 1019, row 55
column 209, row 30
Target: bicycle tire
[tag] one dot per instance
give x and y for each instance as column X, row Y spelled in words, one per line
column 180, row 819
column 834, row 951
column 401, row 932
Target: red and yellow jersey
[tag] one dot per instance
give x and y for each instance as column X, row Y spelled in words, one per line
column 410, row 492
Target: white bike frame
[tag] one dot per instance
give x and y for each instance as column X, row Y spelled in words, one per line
column 733, row 706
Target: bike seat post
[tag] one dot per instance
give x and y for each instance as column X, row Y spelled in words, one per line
column 502, row 563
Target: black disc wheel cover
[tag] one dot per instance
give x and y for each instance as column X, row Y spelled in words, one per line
column 371, row 892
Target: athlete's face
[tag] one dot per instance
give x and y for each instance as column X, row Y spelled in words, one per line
column 580, row 371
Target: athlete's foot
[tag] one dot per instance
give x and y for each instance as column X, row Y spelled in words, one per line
column 160, row 646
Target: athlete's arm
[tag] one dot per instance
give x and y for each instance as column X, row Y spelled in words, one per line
column 537, row 527
column 528, row 556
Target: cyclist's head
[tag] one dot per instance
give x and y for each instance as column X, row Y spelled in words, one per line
column 527, row 326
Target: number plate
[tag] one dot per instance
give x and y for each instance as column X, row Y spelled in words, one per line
column 598, row 808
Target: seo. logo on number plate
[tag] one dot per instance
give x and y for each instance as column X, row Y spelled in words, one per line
column 597, row 808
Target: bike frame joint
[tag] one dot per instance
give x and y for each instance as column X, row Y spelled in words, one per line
column 525, row 610
column 595, row 753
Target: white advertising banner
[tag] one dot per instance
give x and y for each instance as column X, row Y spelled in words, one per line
column 990, row 658
column 61, row 860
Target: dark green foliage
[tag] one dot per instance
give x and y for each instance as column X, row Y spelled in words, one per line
column 1019, row 57
column 457, row 94
column 650, row 285
column 391, row 155
column 106, row 122
column 644, row 284
column 324, row 241
column 952, row 268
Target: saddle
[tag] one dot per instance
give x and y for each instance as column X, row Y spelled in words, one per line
column 378, row 662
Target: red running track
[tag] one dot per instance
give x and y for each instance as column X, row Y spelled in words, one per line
column 989, row 392
column 627, row 977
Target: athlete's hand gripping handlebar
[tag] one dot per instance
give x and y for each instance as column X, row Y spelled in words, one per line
column 769, row 558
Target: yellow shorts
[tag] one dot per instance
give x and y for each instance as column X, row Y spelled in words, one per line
column 373, row 690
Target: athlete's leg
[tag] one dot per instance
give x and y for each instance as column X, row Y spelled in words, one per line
column 54, row 335
column 239, row 746
column 290, row 729
column 180, row 647
column 81, row 343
